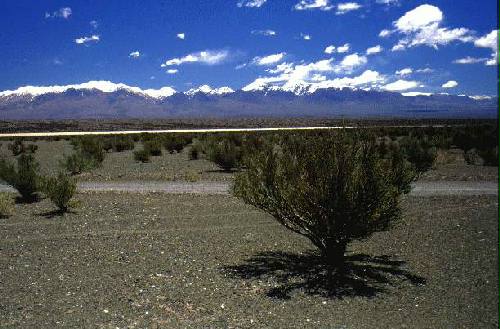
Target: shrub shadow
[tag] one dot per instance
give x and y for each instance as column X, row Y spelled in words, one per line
column 55, row 213
column 363, row 275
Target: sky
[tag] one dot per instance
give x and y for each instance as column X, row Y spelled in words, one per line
column 436, row 46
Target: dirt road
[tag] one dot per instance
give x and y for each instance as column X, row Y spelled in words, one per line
column 459, row 188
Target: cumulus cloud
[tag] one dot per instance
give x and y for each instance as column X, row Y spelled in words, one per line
column 172, row 71
column 450, row 84
column 251, row 3
column 405, row 71
column 343, row 49
column 268, row 60
column 330, row 50
column 181, row 36
column 350, row 62
column 64, row 13
column 291, row 75
column 207, row 57
column 86, row 40
column 267, row 33
column 135, row 54
column 422, row 26
column 374, row 50
column 305, row 36
column 469, row 60
column 400, row 85
column 343, row 8
column 340, row 49
column 489, row 41
column 313, row 4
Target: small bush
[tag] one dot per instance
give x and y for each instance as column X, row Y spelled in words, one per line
column 24, row 178
column 192, row 176
column 490, row 156
column 176, row 143
column 60, row 190
column 142, row 156
column 78, row 163
column 225, row 154
column 153, row 147
column 18, row 147
column 6, row 205
column 473, row 158
column 419, row 152
column 194, row 151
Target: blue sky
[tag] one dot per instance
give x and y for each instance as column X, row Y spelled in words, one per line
column 435, row 46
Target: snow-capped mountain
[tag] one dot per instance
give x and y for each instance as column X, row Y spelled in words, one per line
column 105, row 99
column 206, row 89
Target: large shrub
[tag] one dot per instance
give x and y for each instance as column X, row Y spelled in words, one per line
column 60, row 190
column 419, row 151
column 176, row 143
column 25, row 178
column 332, row 190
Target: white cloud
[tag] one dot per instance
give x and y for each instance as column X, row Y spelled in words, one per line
column 313, row 4
column 305, row 36
column 330, row 50
column 421, row 26
column 374, row 50
column 425, row 70
column 400, row 85
column 489, row 41
column 385, row 33
column 181, row 36
column 350, row 62
column 251, row 3
column 207, row 57
column 469, row 60
column 268, row 60
column 64, row 13
column 291, row 76
column 367, row 79
column 267, row 33
column 343, row 49
column 85, row 40
column 340, row 49
column 450, row 84
column 387, row 2
column 343, row 8
column 94, row 24
column 135, row 54
column 172, row 71
column 405, row 71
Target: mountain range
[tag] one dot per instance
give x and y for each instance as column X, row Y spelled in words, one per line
column 107, row 100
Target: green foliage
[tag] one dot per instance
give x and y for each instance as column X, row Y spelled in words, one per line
column 332, row 190
column 18, row 147
column 89, row 154
column 60, row 190
column 490, row 156
column 176, row 143
column 153, row 147
column 142, row 156
column 419, row 151
column 6, row 205
column 24, row 178
column 224, row 152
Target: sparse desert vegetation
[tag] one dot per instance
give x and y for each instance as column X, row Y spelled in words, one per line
column 207, row 260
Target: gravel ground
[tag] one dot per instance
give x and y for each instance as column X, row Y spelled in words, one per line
column 193, row 261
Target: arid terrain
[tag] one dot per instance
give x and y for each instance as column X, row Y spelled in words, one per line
column 168, row 260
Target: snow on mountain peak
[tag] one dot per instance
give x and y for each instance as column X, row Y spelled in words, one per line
column 206, row 89
column 103, row 86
